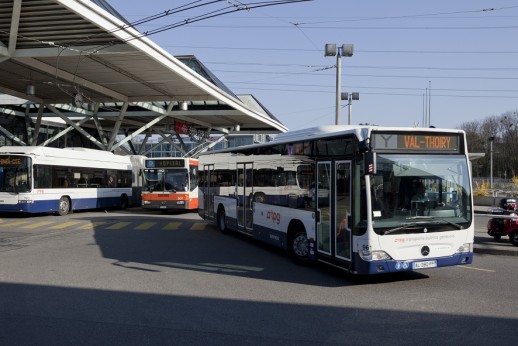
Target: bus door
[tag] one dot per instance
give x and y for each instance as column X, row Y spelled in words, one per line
column 244, row 196
column 333, row 203
column 208, row 191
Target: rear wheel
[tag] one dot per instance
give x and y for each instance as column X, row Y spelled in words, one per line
column 124, row 202
column 220, row 220
column 298, row 245
column 513, row 237
column 497, row 237
column 64, row 206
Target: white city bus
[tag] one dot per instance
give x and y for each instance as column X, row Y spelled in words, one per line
column 42, row 179
column 170, row 184
column 354, row 206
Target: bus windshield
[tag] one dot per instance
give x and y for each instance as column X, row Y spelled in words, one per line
column 174, row 179
column 14, row 173
column 420, row 189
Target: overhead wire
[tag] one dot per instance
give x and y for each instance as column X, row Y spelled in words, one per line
column 240, row 7
column 196, row 4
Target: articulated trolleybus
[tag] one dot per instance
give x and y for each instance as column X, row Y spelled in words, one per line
column 365, row 199
column 42, row 179
column 170, row 184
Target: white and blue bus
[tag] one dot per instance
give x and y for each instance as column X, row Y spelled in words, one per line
column 351, row 202
column 41, row 179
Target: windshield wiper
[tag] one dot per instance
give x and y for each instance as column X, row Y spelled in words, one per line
column 448, row 222
column 405, row 226
column 437, row 220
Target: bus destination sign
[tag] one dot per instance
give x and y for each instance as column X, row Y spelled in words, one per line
column 164, row 163
column 7, row 160
column 413, row 142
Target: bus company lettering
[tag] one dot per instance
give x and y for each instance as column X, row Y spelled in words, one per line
column 275, row 217
column 427, row 142
column 424, row 238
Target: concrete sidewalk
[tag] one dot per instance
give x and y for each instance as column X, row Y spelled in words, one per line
column 485, row 244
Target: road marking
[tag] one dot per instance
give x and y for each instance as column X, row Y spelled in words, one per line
column 64, row 225
column 171, row 226
column 36, row 224
column 145, row 225
column 92, row 225
column 16, row 223
column 198, row 227
column 479, row 269
column 118, row 225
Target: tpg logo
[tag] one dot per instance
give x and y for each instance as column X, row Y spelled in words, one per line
column 275, row 217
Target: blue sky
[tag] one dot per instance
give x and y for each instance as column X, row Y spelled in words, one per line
column 465, row 51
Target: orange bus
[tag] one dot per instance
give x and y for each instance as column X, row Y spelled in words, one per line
column 170, row 184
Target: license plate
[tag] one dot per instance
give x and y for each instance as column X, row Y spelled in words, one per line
column 424, row 264
column 163, row 207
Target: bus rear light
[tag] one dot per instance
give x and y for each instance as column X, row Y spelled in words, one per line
column 377, row 255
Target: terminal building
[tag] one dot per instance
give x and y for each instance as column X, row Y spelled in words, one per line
column 92, row 80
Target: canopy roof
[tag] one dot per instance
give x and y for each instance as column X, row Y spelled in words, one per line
column 80, row 57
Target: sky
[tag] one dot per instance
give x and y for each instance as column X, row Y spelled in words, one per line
column 414, row 63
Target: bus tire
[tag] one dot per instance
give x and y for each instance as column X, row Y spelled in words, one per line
column 220, row 220
column 64, row 206
column 298, row 243
column 124, row 202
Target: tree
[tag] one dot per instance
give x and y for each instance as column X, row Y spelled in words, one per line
column 504, row 130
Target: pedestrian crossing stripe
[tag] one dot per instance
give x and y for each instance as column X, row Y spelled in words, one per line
column 145, row 225
column 36, row 224
column 172, row 226
column 65, row 225
column 16, row 223
column 92, row 225
column 198, row 227
column 118, row 225
column 96, row 225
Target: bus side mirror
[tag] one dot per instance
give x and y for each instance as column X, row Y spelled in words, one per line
column 369, row 160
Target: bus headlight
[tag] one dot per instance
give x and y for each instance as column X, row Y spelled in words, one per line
column 376, row 255
column 467, row 247
column 146, row 202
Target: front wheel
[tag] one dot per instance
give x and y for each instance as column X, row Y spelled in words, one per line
column 497, row 237
column 299, row 247
column 64, row 206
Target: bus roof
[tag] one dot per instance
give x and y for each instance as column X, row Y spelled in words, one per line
column 360, row 131
column 72, row 153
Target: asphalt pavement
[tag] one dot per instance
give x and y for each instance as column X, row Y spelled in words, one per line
column 485, row 244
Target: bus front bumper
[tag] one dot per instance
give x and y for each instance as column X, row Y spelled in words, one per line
column 167, row 205
column 393, row 266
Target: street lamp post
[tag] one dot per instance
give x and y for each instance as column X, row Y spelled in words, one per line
column 350, row 97
column 332, row 50
column 491, row 140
